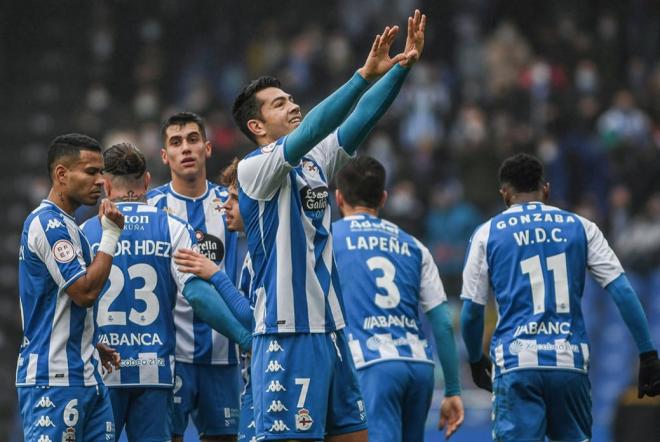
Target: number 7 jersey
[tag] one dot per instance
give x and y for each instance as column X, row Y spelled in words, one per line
column 534, row 257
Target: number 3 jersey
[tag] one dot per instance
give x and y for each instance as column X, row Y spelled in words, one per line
column 386, row 275
column 534, row 257
column 134, row 313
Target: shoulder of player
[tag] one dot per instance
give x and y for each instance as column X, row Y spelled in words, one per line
column 157, row 193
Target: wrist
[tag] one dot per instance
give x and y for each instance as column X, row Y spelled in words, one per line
column 364, row 75
column 109, row 237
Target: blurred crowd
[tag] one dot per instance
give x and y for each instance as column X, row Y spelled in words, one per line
column 575, row 82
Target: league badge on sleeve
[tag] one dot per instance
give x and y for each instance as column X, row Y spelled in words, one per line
column 63, row 251
column 303, row 420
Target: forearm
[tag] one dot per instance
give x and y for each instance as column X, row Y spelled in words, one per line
column 209, row 306
column 86, row 289
column 446, row 347
column 323, row 119
column 371, row 108
column 472, row 328
column 238, row 304
column 631, row 311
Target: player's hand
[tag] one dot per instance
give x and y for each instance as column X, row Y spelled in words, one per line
column 378, row 61
column 414, row 39
column 109, row 356
column 110, row 211
column 649, row 374
column 481, row 373
column 190, row 261
column 451, row 415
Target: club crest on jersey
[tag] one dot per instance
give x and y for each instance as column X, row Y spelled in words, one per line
column 268, row 149
column 314, row 200
column 63, row 251
column 310, row 167
column 303, row 420
column 210, row 246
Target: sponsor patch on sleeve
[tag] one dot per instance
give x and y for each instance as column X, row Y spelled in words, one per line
column 63, row 251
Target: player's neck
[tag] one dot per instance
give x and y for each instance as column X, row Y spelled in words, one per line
column 190, row 188
column 526, row 197
column 359, row 210
column 129, row 196
column 62, row 201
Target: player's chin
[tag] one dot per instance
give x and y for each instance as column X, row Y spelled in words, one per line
column 92, row 199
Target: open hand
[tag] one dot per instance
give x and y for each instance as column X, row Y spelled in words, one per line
column 451, row 415
column 190, row 261
column 110, row 211
column 414, row 39
column 378, row 61
column 109, row 356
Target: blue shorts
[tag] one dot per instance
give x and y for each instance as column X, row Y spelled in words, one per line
column 398, row 397
column 145, row 411
column 66, row 414
column 208, row 393
column 529, row 405
column 246, row 424
column 304, row 386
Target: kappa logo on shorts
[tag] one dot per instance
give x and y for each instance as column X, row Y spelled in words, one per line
column 44, row 402
column 278, row 426
column 274, row 346
column 44, row 421
column 274, row 366
column 44, row 438
column 303, row 420
column 54, row 224
column 275, row 386
column 276, row 407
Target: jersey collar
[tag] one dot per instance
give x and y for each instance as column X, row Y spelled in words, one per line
column 187, row 198
column 58, row 208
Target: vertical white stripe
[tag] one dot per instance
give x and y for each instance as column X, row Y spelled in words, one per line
column 87, row 349
column 183, row 323
column 499, row 356
column 177, row 207
column 528, row 356
column 417, row 346
column 37, row 238
column 148, row 372
column 585, row 355
column 564, row 351
column 260, row 310
column 172, row 366
column 356, row 351
column 113, row 377
column 58, row 365
column 31, row 374
column 335, row 308
column 285, row 300
column 313, row 291
column 386, row 347
column 219, row 348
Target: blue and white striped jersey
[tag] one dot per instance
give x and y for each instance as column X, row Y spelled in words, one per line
column 196, row 341
column 535, row 258
column 246, row 278
column 58, row 335
column 386, row 275
column 135, row 312
column 286, row 211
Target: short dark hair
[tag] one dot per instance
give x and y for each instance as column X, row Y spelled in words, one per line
column 69, row 145
column 124, row 160
column 362, row 182
column 181, row 119
column 247, row 107
column 523, row 172
column 229, row 175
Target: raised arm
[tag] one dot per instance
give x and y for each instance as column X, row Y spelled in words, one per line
column 86, row 289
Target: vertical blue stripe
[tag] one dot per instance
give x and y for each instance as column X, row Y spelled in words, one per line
column 298, row 261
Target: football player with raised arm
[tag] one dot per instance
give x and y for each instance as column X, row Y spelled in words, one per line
column 60, row 391
column 283, row 199
column 534, row 258
column 135, row 312
column 386, row 276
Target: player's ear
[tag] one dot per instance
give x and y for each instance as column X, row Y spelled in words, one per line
column 163, row 156
column 207, row 148
column 256, row 127
column 340, row 200
column 147, row 180
column 383, row 199
column 546, row 192
column 505, row 196
column 107, row 186
column 60, row 173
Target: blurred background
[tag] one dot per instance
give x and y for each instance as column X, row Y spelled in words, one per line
column 576, row 82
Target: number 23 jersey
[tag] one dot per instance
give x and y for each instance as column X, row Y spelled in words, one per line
column 535, row 258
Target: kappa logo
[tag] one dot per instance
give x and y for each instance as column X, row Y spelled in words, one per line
column 45, row 402
column 303, row 420
column 278, row 426
column 44, row 438
column 274, row 346
column 44, row 421
column 276, row 407
column 274, row 366
column 53, row 224
column 275, row 386
column 252, row 424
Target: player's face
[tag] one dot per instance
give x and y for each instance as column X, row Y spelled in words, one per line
column 186, row 151
column 279, row 114
column 84, row 178
column 232, row 212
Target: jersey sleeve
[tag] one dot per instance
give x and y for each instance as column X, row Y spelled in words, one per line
column 330, row 155
column 431, row 291
column 58, row 247
column 476, row 283
column 261, row 174
column 182, row 236
column 602, row 262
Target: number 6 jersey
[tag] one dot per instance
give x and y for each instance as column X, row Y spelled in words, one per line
column 535, row 257
column 134, row 313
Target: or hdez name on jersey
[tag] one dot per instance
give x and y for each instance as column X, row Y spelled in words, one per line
column 382, row 243
column 143, row 247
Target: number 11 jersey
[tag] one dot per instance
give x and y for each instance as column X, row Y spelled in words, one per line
column 534, row 257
